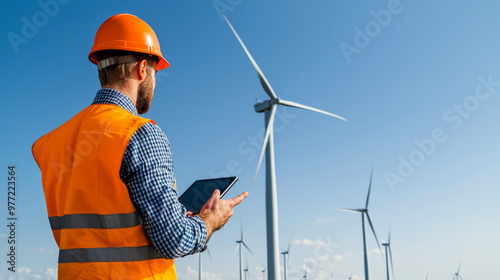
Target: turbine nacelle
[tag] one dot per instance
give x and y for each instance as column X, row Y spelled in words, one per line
column 261, row 107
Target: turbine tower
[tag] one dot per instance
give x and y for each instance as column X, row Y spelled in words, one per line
column 364, row 212
column 269, row 108
column 241, row 242
column 388, row 252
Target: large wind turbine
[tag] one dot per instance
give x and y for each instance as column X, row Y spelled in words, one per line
column 388, row 252
column 269, row 108
column 364, row 212
column 241, row 242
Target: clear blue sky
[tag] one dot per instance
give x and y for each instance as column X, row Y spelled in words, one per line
column 400, row 80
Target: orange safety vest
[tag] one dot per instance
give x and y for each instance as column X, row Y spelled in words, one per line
column 99, row 231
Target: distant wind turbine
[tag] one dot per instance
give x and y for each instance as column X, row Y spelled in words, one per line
column 457, row 274
column 305, row 273
column 364, row 212
column 264, row 273
column 241, row 242
column 286, row 258
column 388, row 252
column 269, row 107
column 246, row 270
column 200, row 263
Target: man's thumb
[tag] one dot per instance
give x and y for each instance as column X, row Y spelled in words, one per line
column 216, row 193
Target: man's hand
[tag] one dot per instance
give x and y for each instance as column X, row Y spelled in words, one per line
column 216, row 212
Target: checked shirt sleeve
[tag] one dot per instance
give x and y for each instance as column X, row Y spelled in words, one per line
column 147, row 170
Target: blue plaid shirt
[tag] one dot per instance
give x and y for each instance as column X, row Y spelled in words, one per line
column 148, row 171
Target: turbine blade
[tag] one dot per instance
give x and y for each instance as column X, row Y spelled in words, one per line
column 459, row 266
column 241, row 230
column 290, row 242
column 247, row 247
column 392, row 266
column 369, row 189
column 237, row 246
column 297, row 105
column 266, row 139
column 373, row 230
column 265, row 84
column 350, row 210
column 389, row 241
column 209, row 256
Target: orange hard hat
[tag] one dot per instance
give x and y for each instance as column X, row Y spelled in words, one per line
column 129, row 33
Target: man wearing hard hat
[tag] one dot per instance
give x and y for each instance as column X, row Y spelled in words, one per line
column 107, row 173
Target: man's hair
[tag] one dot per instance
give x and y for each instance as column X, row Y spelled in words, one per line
column 116, row 74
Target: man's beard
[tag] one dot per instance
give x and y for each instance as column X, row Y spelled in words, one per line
column 144, row 96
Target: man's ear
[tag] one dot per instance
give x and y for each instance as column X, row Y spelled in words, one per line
column 141, row 69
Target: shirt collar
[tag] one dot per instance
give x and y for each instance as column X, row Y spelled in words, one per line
column 112, row 96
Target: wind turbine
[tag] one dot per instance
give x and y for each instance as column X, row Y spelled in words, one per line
column 246, row 270
column 286, row 257
column 200, row 262
column 388, row 252
column 269, row 108
column 241, row 242
column 364, row 212
column 305, row 273
column 457, row 274
column 264, row 273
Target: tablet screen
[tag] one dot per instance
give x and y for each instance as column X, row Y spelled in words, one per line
column 200, row 191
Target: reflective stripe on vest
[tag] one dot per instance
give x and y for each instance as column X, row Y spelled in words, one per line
column 96, row 221
column 121, row 254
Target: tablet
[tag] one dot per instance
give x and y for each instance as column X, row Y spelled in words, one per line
column 200, row 191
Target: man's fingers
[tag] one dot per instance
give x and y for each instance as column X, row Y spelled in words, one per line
column 237, row 200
